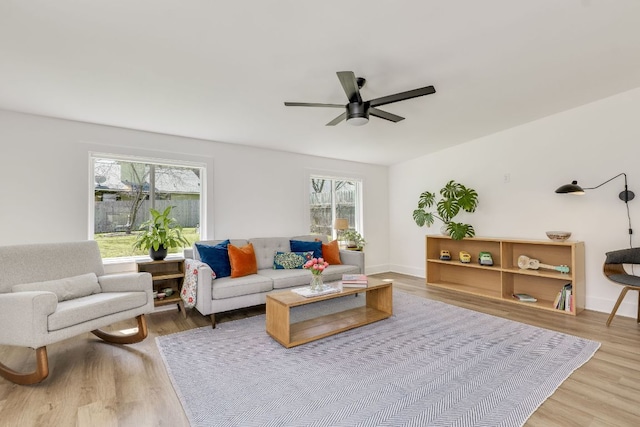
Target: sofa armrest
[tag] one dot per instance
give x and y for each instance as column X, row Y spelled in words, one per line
column 204, row 290
column 353, row 258
column 24, row 317
column 126, row 282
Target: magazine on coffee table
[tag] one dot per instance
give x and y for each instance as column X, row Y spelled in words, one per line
column 308, row 293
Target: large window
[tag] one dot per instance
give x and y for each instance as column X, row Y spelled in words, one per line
column 334, row 198
column 126, row 188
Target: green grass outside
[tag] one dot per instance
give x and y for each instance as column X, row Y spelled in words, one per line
column 113, row 245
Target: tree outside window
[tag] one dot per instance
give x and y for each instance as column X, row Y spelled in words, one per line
column 332, row 198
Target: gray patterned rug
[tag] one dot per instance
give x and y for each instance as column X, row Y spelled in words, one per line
column 430, row 364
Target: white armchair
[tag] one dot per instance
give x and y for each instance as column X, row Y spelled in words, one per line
column 51, row 292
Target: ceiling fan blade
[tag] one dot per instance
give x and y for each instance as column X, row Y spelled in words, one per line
column 312, row 104
column 337, row 120
column 428, row 90
column 384, row 115
column 350, row 85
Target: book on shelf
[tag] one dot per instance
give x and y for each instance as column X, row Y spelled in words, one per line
column 565, row 299
column 355, row 278
column 525, row 298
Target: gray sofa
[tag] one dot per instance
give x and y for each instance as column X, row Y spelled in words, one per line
column 227, row 293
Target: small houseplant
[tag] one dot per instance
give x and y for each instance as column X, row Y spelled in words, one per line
column 455, row 197
column 353, row 239
column 160, row 232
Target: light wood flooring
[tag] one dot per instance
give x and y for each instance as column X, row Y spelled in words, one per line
column 92, row 383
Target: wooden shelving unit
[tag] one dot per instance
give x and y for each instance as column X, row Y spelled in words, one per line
column 168, row 273
column 505, row 278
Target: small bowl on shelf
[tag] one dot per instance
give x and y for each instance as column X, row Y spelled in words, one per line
column 168, row 292
column 558, row 236
column 161, row 295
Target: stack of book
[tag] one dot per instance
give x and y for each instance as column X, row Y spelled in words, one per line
column 565, row 299
column 354, row 281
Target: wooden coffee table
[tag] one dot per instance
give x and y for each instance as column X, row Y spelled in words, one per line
column 379, row 305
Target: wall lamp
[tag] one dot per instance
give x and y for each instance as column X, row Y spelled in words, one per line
column 574, row 188
column 625, row 195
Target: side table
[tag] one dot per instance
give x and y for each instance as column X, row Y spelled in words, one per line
column 168, row 273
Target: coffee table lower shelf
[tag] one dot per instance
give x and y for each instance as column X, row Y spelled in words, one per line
column 379, row 306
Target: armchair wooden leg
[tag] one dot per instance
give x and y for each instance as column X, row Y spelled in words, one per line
column 132, row 338
column 615, row 307
column 41, row 372
column 213, row 320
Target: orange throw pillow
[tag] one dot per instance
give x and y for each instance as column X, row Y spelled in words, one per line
column 243, row 260
column 331, row 252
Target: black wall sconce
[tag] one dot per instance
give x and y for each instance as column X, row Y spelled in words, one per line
column 624, row 195
column 574, row 188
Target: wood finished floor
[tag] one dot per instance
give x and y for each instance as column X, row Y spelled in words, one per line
column 96, row 384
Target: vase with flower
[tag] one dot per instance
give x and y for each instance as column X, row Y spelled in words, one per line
column 316, row 266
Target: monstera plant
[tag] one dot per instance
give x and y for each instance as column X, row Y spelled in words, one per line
column 454, row 198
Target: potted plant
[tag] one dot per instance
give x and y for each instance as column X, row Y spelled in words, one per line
column 354, row 239
column 455, row 197
column 160, row 232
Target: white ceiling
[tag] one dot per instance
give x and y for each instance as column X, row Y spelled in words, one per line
column 222, row 70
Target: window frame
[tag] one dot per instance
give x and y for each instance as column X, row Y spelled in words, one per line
column 333, row 177
column 154, row 160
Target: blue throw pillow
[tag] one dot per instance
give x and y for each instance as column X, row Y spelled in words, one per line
column 302, row 246
column 217, row 257
column 290, row 260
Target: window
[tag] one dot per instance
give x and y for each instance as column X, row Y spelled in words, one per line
column 333, row 198
column 126, row 188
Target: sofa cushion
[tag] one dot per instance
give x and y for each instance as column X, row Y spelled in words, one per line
column 242, row 260
column 331, row 252
column 217, row 257
column 289, row 260
column 65, row 289
column 266, row 248
column 73, row 312
column 303, row 246
column 229, row 287
column 283, row 279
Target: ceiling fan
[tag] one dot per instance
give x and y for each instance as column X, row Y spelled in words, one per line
column 357, row 111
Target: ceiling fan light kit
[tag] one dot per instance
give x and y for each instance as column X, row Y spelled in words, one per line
column 357, row 111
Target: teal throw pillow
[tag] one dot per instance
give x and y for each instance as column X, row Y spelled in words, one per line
column 303, row 246
column 217, row 257
column 290, row 260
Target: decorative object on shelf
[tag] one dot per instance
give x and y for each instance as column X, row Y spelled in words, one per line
column 485, row 258
column 168, row 291
column 316, row 266
column 159, row 233
column 558, row 236
column 455, row 197
column 340, row 225
column 465, row 257
column 526, row 263
column 354, row 239
column 445, row 255
column 624, row 195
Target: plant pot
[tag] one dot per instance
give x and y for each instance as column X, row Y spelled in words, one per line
column 158, row 255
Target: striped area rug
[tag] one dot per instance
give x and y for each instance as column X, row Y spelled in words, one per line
column 430, row 364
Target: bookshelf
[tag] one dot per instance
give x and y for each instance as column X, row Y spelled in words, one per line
column 505, row 278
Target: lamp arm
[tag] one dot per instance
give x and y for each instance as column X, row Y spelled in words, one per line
column 609, row 180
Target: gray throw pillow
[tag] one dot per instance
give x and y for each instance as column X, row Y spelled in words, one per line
column 66, row 288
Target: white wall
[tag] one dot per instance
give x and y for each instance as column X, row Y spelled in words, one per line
column 44, row 183
column 590, row 144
